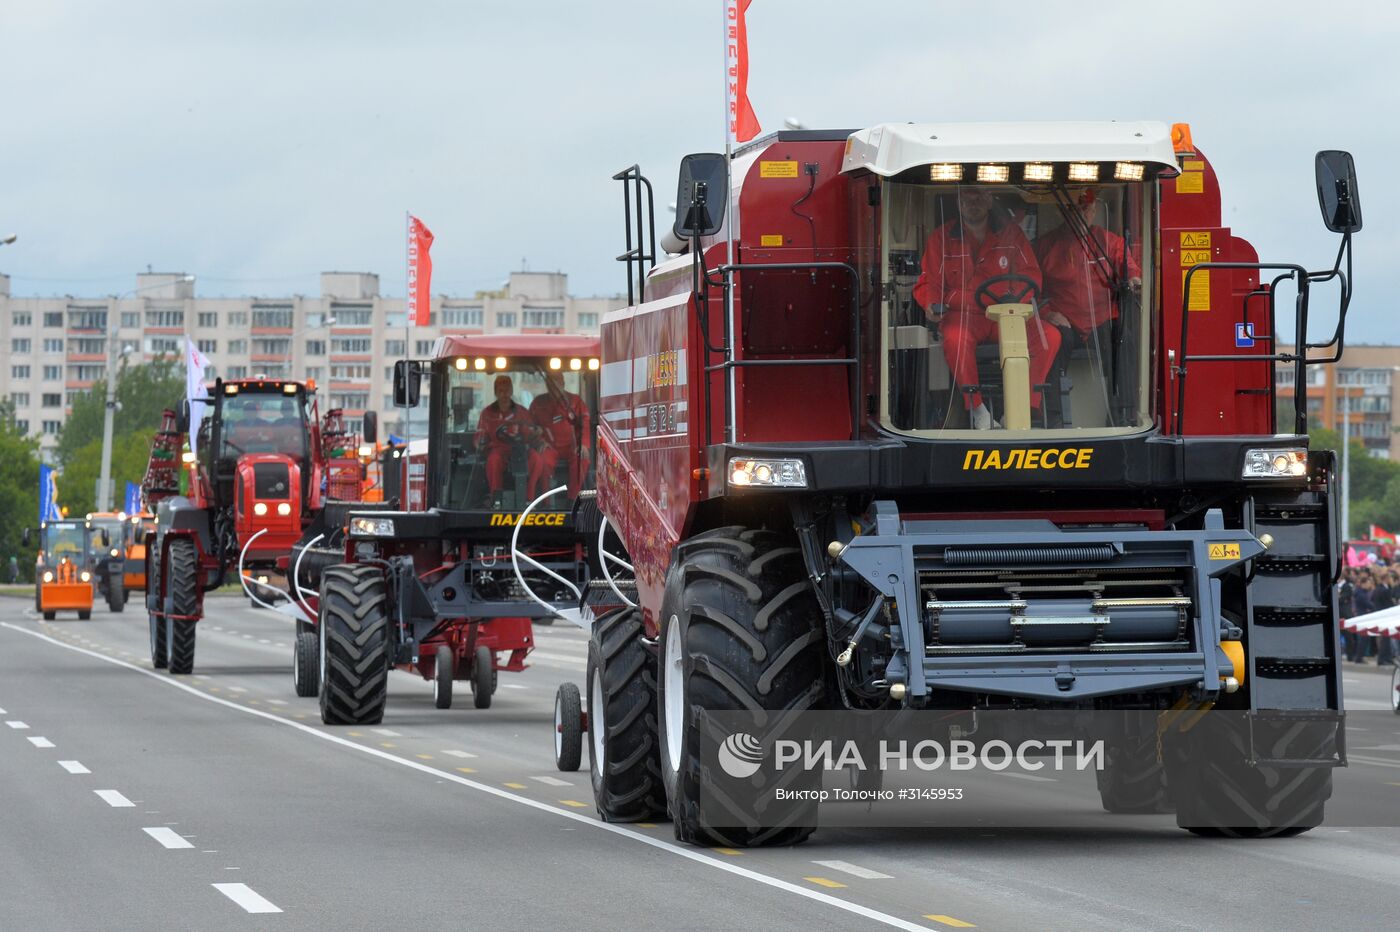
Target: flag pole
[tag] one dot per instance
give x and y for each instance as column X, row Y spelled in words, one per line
column 731, row 113
column 408, row 369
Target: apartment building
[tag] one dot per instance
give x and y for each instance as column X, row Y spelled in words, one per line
column 1361, row 388
column 346, row 338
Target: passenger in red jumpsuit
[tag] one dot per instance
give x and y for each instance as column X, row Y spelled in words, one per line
column 1079, row 297
column 502, row 425
column 562, row 418
column 959, row 256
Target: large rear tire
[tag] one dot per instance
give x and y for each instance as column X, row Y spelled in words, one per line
column 306, row 670
column 157, row 624
column 741, row 631
column 184, row 600
column 354, row 627
column 1133, row 779
column 624, row 758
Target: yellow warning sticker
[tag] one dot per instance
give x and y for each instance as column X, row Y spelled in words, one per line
column 1200, row 290
column 1193, row 165
column 771, row 239
column 1196, row 240
column 1224, row 551
column 1191, row 183
column 1194, row 256
column 777, row 169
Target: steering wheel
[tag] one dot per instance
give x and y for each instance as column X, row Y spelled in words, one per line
column 510, row 433
column 1018, row 289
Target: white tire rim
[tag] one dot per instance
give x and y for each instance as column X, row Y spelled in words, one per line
column 597, row 722
column 1395, row 687
column 674, row 685
column 321, row 648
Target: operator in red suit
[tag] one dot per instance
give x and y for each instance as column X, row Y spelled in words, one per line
column 1079, row 274
column 502, row 425
column 562, row 418
column 980, row 244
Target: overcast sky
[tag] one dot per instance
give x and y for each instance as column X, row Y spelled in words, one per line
column 257, row 143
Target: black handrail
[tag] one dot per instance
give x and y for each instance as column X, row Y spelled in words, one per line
column 852, row 361
column 645, row 249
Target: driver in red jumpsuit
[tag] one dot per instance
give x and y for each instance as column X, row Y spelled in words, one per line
column 503, row 424
column 980, row 244
column 562, row 418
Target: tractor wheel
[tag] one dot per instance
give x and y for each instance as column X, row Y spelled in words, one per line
column 116, row 593
column 157, row 624
column 568, row 728
column 49, row 616
column 305, row 666
column 483, row 678
column 1133, row 779
column 442, row 677
column 1218, row 793
column 624, row 758
column 184, row 600
column 354, row 655
column 84, row 614
column 741, row 633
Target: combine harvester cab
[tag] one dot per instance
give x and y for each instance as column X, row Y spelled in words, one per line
column 63, row 572
column 432, row 588
column 981, row 418
column 254, row 483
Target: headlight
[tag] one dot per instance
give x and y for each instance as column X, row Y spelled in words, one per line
column 114, row 551
column 782, row 474
column 48, row 576
column 371, row 527
column 1288, row 463
column 85, row 576
column 260, row 508
column 284, row 509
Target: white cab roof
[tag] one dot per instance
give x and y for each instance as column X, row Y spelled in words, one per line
column 890, row 148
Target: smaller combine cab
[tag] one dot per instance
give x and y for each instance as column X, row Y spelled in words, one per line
column 109, row 560
column 439, row 588
column 63, row 572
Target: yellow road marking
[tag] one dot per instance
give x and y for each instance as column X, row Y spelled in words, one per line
column 465, row 770
column 425, row 757
column 515, row 786
column 1393, row 784
column 950, row 921
column 732, row 852
column 574, row 803
column 253, row 702
column 824, row 882
column 646, row 825
column 355, row 734
column 213, row 689
column 386, row 744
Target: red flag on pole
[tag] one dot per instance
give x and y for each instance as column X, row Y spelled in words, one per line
column 743, row 122
column 420, row 271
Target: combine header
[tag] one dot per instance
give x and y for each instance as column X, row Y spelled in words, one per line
column 976, row 417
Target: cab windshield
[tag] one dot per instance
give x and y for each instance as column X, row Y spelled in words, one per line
column 263, row 422
column 65, row 541
column 509, row 435
column 1014, row 308
column 116, row 533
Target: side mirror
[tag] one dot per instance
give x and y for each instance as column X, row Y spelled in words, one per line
column 408, row 382
column 370, row 431
column 182, row 419
column 25, row 537
column 702, row 195
column 1337, row 193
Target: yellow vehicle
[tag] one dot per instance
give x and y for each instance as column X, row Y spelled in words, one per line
column 63, row 577
column 138, row 526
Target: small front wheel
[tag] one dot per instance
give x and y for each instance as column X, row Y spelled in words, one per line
column 568, row 727
column 442, row 677
column 483, row 677
column 306, row 665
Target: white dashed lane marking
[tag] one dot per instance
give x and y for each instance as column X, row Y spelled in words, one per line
column 1024, row 776
column 73, row 766
column 41, row 742
column 552, row 781
column 855, row 870
column 386, row 732
column 168, row 837
column 17, row 725
column 114, row 799
column 458, row 754
column 247, row 897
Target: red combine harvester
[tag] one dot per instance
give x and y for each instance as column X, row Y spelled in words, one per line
column 435, row 589
column 978, row 417
column 266, row 465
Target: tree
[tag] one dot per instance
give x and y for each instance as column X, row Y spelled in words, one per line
column 1374, row 497
column 19, row 493
column 143, row 393
column 77, row 485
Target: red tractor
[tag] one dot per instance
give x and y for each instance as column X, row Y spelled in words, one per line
column 263, row 467
column 438, row 589
column 968, row 418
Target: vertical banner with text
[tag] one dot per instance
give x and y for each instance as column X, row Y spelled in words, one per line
column 743, row 122
column 420, row 272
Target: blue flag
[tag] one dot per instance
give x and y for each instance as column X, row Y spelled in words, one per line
column 48, row 495
column 133, row 499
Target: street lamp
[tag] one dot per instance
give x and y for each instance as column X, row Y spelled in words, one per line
column 8, row 238
column 104, row 480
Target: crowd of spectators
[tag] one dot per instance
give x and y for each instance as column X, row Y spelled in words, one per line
column 1366, row 589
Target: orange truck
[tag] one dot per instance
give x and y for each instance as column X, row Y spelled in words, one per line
column 63, row 578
